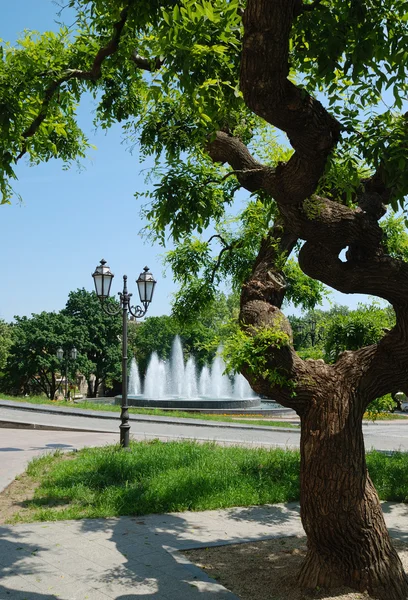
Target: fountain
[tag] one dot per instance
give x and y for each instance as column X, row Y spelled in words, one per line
column 176, row 384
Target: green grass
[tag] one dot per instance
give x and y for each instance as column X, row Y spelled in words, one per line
column 158, row 477
column 154, row 412
column 384, row 416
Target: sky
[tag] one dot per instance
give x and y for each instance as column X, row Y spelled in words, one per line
column 69, row 220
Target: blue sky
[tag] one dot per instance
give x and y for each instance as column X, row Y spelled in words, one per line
column 69, row 220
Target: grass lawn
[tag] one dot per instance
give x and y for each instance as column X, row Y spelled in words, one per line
column 257, row 419
column 155, row 477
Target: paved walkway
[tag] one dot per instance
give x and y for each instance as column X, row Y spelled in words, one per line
column 19, row 446
column 138, row 558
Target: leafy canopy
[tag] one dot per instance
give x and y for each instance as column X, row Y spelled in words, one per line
column 169, row 73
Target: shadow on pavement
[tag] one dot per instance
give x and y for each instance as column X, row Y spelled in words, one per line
column 16, row 562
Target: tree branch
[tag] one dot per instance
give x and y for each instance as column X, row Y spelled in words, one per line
column 251, row 174
column 92, row 75
column 377, row 274
column 312, row 131
column 146, row 64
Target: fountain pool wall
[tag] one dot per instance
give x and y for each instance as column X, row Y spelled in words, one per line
column 178, row 384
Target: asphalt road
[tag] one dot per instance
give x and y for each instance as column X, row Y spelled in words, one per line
column 381, row 436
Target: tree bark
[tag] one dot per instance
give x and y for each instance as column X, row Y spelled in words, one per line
column 348, row 543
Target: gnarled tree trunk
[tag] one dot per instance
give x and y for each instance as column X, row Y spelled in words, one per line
column 348, row 542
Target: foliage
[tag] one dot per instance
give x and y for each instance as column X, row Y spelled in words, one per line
column 201, row 267
column 354, row 53
column 395, row 237
column 381, row 405
column 310, row 329
column 99, row 345
column 32, row 364
column 187, row 198
column 302, row 290
column 154, row 334
column 249, row 350
column 358, row 328
column 6, row 332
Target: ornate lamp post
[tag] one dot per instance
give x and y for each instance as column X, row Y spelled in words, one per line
column 146, row 284
column 312, row 332
column 68, row 354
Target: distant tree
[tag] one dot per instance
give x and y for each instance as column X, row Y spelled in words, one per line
column 310, row 330
column 154, row 334
column 99, row 359
column 6, row 331
column 356, row 329
column 32, row 365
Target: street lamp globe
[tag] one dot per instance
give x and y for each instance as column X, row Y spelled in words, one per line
column 146, row 284
column 74, row 353
column 102, row 280
column 60, row 353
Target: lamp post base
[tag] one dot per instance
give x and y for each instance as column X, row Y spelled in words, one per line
column 124, row 435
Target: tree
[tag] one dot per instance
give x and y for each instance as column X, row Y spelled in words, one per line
column 201, row 85
column 32, row 364
column 154, row 334
column 5, row 342
column 100, row 348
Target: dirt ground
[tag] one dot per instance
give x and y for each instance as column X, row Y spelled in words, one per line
column 14, row 497
column 267, row 570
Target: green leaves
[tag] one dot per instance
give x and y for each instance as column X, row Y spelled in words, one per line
column 100, row 334
column 395, row 238
column 32, row 362
column 187, row 198
column 251, row 352
column 356, row 329
column 302, row 290
column 354, row 54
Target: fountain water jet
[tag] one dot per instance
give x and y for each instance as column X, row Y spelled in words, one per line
column 175, row 384
column 135, row 387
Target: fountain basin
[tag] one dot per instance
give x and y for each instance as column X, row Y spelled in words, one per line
column 192, row 403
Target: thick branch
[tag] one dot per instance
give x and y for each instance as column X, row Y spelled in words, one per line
column 261, row 297
column 251, row 174
column 378, row 275
column 312, row 131
column 92, row 75
column 147, row 64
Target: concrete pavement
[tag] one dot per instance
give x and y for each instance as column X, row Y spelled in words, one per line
column 138, row 558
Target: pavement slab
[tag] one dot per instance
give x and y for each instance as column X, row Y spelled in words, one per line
column 139, row 558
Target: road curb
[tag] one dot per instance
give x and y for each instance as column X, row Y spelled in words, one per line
column 15, row 424
column 41, row 408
